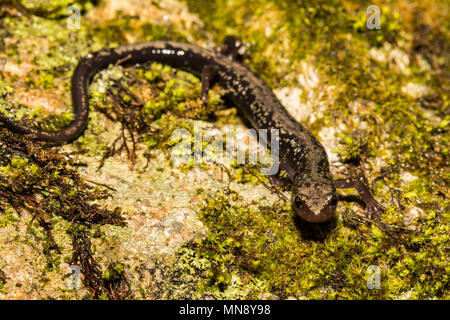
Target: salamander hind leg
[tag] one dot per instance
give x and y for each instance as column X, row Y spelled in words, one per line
column 372, row 206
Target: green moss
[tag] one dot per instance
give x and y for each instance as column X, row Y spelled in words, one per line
column 270, row 251
column 115, row 271
column 4, row 88
column 44, row 183
column 8, row 217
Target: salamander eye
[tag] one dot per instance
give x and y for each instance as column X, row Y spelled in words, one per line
column 299, row 202
column 333, row 201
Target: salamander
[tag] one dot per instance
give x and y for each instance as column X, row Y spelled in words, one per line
column 302, row 156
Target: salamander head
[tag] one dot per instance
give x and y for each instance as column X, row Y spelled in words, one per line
column 314, row 201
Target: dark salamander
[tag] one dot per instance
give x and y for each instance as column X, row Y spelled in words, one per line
column 314, row 196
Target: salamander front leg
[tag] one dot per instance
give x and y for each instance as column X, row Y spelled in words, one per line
column 279, row 181
column 372, row 206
